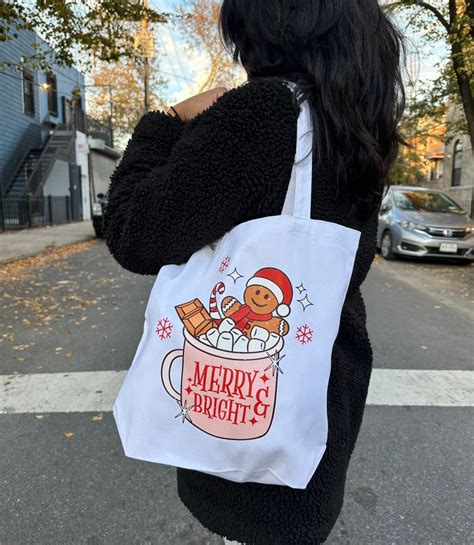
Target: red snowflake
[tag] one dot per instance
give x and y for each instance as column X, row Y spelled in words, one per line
column 224, row 264
column 304, row 334
column 163, row 329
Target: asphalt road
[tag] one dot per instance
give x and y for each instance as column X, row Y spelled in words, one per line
column 64, row 480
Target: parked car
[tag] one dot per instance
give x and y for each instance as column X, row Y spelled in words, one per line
column 97, row 214
column 424, row 223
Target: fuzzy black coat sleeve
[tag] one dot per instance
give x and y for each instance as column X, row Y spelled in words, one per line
column 180, row 187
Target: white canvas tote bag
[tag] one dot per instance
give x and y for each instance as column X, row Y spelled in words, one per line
column 230, row 377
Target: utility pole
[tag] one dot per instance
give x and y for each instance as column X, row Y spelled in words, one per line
column 145, row 46
column 147, row 50
column 111, row 116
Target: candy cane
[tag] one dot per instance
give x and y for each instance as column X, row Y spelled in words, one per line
column 213, row 308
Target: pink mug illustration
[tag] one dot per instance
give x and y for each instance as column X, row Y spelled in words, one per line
column 230, row 359
column 226, row 394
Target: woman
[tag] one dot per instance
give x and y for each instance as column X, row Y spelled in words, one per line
column 189, row 176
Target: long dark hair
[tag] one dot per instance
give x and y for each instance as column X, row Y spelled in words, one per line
column 345, row 57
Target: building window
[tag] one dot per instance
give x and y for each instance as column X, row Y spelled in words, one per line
column 52, row 93
column 457, row 163
column 28, row 92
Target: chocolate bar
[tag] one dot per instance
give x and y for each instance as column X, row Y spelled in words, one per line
column 195, row 317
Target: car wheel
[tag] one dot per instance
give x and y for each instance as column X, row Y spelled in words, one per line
column 386, row 246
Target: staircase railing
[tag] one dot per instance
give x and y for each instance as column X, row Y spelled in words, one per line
column 46, row 162
column 31, row 139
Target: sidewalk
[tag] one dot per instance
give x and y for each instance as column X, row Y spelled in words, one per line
column 28, row 242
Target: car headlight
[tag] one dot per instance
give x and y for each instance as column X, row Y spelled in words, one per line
column 411, row 226
column 97, row 209
column 469, row 230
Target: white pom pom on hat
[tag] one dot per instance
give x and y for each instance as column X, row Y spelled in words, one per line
column 283, row 311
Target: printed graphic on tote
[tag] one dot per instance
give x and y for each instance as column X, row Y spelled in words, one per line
column 231, row 357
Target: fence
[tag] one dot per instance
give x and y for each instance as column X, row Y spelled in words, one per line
column 463, row 195
column 93, row 127
column 22, row 212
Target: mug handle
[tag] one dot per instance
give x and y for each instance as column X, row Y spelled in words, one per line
column 166, row 373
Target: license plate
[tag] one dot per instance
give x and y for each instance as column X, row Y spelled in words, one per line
column 448, row 248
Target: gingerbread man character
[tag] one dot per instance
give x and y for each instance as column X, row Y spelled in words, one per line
column 267, row 300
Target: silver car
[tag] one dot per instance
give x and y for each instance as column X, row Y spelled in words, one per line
column 424, row 223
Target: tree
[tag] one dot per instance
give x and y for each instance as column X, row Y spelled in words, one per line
column 116, row 36
column 199, row 23
column 422, row 133
column 453, row 21
column 117, row 92
column 75, row 27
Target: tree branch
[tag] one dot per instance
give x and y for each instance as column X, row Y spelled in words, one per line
column 470, row 14
column 405, row 3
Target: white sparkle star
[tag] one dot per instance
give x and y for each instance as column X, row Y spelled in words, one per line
column 235, row 275
column 275, row 363
column 184, row 411
column 301, row 288
column 305, row 302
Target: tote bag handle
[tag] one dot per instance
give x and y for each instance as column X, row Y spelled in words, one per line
column 298, row 197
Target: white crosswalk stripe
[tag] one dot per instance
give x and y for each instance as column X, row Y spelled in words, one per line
column 416, row 387
column 95, row 391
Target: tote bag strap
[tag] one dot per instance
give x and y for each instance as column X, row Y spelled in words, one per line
column 298, row 197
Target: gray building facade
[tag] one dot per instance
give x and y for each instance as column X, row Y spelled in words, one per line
column 455, row 176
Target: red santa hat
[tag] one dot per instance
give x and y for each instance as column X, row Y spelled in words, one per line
column 278, row 283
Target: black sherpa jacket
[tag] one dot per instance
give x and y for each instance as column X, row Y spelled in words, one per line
column 182, row 186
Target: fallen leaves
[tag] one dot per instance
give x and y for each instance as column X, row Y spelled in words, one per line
column 21, row 268
column 79, row 300
column 56, row 305
column 69, row 434
column 450, row 284
column 21, row 347
column 97, row 417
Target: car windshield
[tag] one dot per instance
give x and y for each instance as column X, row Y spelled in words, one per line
column 426, row 201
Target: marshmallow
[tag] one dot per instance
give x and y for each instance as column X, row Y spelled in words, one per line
column 241, row 344
column 256, row 345
column 226, row 325
column 204, row 340
column 272, row 341
column 225, row 341
column 259, row 333
column 212, row 336
column 236, row 333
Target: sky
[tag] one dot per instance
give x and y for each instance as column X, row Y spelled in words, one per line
column 185, row 69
